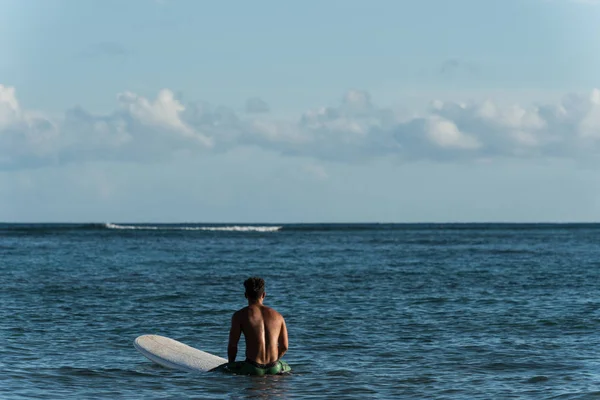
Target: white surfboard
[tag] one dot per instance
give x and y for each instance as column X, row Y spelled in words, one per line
column 173, row 354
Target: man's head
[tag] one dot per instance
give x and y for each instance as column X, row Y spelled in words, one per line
column 255, row 288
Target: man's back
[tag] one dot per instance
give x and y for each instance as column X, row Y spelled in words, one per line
column 264, row 331
column 265, row 334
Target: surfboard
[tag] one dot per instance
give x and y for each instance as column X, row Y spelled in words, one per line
column 176, row 355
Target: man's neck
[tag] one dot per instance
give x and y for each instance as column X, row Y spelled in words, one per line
column 258, row 302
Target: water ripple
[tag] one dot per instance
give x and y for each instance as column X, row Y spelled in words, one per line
column 468, row 312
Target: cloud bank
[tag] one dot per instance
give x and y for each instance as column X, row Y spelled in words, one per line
column 148, row 130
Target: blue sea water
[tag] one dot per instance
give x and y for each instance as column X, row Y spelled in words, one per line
column 424, row 311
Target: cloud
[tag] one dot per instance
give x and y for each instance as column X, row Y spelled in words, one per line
column 139, row 130
column 25, row 137
column 256, row 105
column 445, row 134
column 355, row 130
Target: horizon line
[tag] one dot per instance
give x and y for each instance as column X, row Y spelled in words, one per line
column 305, row 223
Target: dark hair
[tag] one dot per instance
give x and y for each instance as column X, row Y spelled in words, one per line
column 255, row 287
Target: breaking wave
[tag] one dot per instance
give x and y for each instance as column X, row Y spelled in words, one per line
column 59, row 228
column 233, row 228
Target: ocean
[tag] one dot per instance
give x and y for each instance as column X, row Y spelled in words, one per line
column 380, row 311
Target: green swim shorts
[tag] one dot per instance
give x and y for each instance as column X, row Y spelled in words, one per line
column 248, row 367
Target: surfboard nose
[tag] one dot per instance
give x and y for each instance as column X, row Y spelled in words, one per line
column 171, row 353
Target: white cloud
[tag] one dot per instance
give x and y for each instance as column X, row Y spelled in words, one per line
column 9, row 107
column 590, row 124
column 164, row 112
column 143, row 129
column 25, row 136
column 139, row 129
column 445, row 133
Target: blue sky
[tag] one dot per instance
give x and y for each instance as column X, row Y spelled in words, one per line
column 270, row 111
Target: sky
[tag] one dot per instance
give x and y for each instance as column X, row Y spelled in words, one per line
column 311, row 111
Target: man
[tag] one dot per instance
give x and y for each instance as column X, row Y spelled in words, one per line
column 265, row 333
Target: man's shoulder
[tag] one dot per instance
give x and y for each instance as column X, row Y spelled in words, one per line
column 240, row 312
column 273, row 312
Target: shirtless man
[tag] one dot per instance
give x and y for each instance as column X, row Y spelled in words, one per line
column 265, row 334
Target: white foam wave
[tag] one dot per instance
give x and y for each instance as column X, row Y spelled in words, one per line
column 242, row 228
column 234, row 228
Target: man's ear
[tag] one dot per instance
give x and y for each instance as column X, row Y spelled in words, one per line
column 245, row 295
column 264, row 295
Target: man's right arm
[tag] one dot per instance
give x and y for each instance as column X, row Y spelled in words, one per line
column 234, row 336
column 283, row 339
